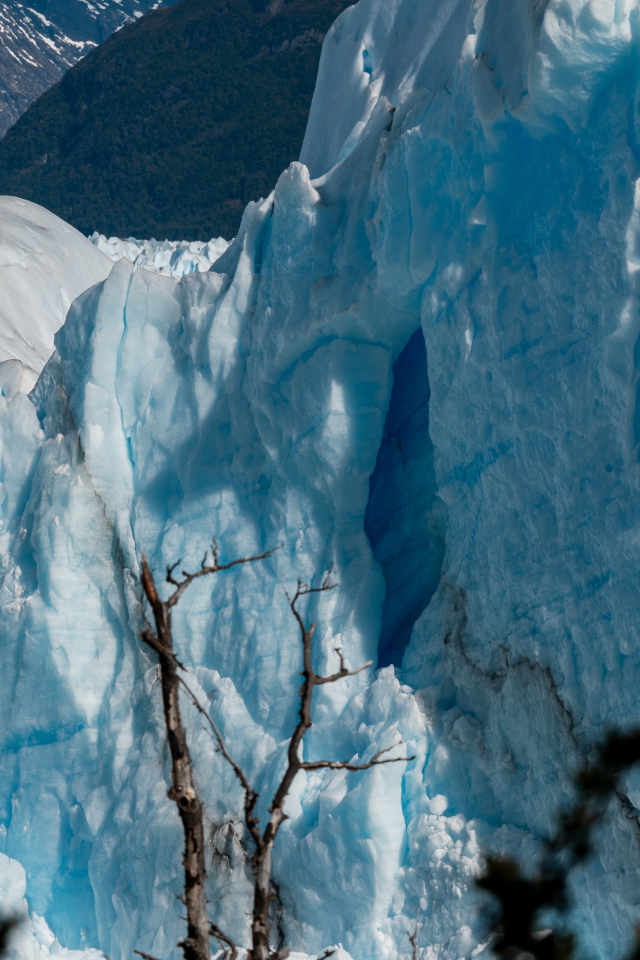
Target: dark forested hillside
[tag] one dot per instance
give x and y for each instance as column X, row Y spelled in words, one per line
column 173, row 124
column 40, row 41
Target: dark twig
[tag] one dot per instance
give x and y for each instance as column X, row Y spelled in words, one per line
column 147, row 956
column 522, row 899
column 413, row 940
column 346, row 765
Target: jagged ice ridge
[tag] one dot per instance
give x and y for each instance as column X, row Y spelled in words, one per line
column 45, row 264
column 170, row 258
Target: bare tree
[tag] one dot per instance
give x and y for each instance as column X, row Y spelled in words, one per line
column 413, row 940
column 196, row 944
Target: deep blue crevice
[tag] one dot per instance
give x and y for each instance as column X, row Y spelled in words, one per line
column 636, row 409
column 405, row 535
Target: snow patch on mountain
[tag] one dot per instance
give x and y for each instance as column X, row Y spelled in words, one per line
column 36, row 50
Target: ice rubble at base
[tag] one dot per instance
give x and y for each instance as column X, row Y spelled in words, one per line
column 31, row 939
column 475, row 170
column 170, row 258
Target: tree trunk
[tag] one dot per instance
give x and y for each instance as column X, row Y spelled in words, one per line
column 195, row 946
column 261, row 925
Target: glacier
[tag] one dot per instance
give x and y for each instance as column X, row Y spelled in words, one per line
column 170, row 258
column 418, row 361
column 44, row 265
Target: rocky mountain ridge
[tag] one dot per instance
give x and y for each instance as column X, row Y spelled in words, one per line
column 38, row 43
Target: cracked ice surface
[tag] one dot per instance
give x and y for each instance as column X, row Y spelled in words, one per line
column 475, row 172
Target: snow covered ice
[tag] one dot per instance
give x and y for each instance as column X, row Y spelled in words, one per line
column 44, row 265
column 469, row 178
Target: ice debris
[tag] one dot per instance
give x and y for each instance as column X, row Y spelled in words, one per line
column 31, row 938
column 45, row 264
column 170, row 258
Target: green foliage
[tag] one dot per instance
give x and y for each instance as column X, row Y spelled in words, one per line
column 520, row 900
column 172, row 125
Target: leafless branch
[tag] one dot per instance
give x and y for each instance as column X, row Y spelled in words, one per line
column 262, row 857
column 183, row 791
column 207, row 568
column 147, row 956
column 343, row 672
column 250, row 796
column 346, row 765
column 413, row 940
column 196, row 944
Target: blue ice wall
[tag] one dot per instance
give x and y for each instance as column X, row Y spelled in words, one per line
column 497, row 208
column 406, row 536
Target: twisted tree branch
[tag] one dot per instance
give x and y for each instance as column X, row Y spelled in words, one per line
column 183, row 792
column 196, row 945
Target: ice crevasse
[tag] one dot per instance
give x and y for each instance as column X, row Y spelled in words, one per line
column 419, row 362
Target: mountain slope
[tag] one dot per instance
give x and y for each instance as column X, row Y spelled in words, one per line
column 176, row 122
column 40, row 42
